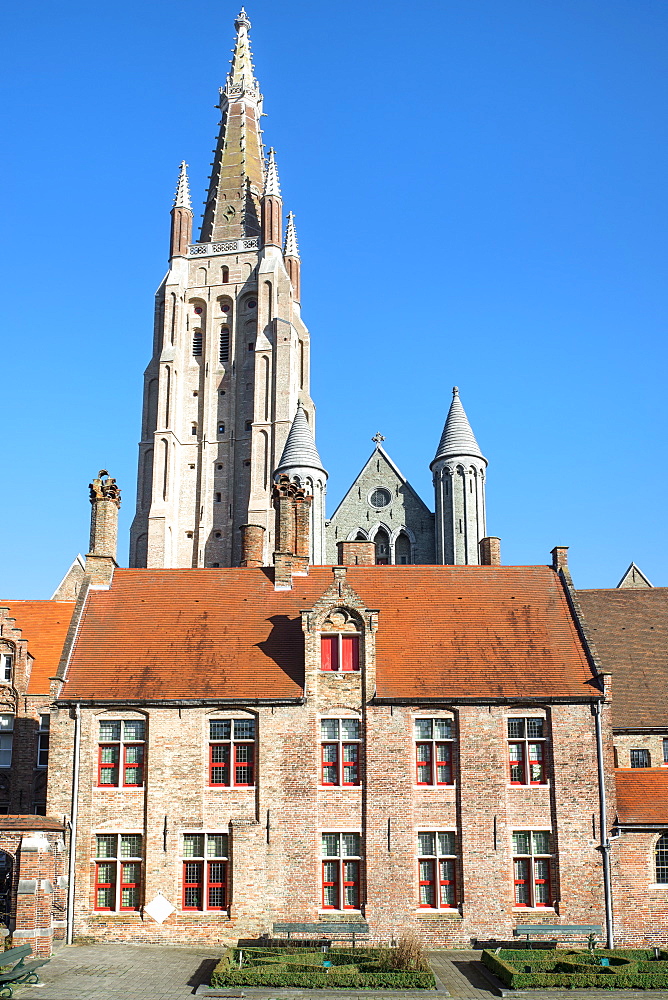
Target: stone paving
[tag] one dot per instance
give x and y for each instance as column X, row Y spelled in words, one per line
column 156, row 972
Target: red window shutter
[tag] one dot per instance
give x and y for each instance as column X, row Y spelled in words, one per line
column 329, row 652
column 350, row 652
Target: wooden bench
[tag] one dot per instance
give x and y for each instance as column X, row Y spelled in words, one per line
column 20, row 972
column 343, row 931
column 586, row 933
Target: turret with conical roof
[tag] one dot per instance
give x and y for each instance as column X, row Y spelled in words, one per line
column 302, row 463
column 459, row 483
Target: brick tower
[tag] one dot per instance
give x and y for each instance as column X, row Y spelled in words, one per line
column 230, row 357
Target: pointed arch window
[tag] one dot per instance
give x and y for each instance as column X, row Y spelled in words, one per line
column 197, row 343
column 224, row 346
column 661, row 859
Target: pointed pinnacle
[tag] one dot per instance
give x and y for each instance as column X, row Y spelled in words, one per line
column 300, row 450
column 458, row 439
column 271, row 182
column 291, row 247
column 241, row 70
column 182, row 196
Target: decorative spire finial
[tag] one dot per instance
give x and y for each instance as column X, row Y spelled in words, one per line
column 271, row 182
column 378, row 437
column 455, row 390
column 182, row 196
column 291, row 247
column 242, row 19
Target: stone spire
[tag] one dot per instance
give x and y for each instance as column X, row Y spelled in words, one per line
column 291, row 247
column 291, row 257
column 237, row 179
column 272, row 206
column 182, row 196
column 300, row 450
column 457, row 438
column 271, row 182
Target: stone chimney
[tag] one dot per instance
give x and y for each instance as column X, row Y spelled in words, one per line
column 252, row 545
column 356, row 553
column 559, row 557
column 490, row 551
column 105, row 498
column 293, row 518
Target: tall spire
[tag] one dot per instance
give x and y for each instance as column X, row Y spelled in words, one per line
column 291, row 247
column 271, row 183
column 457, row 438
column 237, row 177
column 300, row 450
column 182, row 196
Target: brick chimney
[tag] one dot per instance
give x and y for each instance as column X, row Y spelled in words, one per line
column 252, row 545
column 559, row 557
column 105, row 498
column 356, row 553
column 293, row 519
column 490, row 551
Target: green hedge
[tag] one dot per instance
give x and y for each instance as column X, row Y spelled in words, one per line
column 553, row 969
column 223, row 976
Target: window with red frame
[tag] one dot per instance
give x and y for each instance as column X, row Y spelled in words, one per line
column 434, row 751
column 340, row 751
column 341, row 871
column 531, row 868
column 527, row 746
column 205, row 871
column 339, row 651
column 437, row 864
column 121, row 753
column 232, row 752
column 118, row 869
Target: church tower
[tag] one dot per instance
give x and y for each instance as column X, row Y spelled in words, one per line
column 230, row 356
column 459, row 484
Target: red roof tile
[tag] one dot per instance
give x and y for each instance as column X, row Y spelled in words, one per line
column 629, row 629
column 444, row 631
column 44, row 624
column 642, row 795
column 28, row 822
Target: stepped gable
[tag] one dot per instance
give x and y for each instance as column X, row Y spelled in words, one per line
column 44, row 625
column 629, row 629
column 444, row 631
column 642, row 795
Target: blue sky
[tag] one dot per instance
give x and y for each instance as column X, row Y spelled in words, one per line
column 480, row 199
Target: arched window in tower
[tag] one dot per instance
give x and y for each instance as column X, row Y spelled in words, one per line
column 197, row 343
column 382, row 541
column 165, row 468
column 168, row 393
column 224, row 351
column 661, row 859
column 172, row 320
column 201, row 275
column 402, row 549
column 268, row 301
column 225, row 275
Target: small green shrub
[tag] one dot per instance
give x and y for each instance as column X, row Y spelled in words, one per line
column 576, row 970
column 283, row 977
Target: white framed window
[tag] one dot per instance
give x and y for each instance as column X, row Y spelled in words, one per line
column 232, row 753
column 341, row 869
column 434, row 748
column 6, row 667
column 640, row 758
column 43, row 740
column 205, row 865
column 527, row 751
column 532, row 857
column 121, row 753
column 661, row 860
column 340, row 745
column 437, row 864
column 6, row 738
column 118, row 871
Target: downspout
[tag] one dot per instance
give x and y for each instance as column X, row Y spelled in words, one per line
column 73, row 824
column 604, row 846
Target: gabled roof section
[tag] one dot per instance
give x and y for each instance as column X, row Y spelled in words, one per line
column 44, row 624
column 629, row 629
column 300, row 450
column 642, row 796
column 443, row 632
column 379, row 451
column 634, row 579
column 457, row 437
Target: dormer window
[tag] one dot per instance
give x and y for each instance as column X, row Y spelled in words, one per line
column 339, row 642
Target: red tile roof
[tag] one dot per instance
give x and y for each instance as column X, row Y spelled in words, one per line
column 27, row 822
column 642, row 795
column 44, row 624
column 444, row 631
column 629, row 629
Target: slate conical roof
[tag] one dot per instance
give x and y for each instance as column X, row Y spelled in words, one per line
column 457, row 437
column 300, row 451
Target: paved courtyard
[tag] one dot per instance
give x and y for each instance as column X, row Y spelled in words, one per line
column 154, row 972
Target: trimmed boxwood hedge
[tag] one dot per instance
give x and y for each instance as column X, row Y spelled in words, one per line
column 629, row 969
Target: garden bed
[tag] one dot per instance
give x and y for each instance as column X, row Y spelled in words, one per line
column 620, row 969
column 303, row 968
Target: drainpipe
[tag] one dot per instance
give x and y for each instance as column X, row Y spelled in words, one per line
column 604, row 846
column 73, row 824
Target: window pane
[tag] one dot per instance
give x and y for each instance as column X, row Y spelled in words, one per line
column 134, row 729
column 244, row 729
column 109, row 755
column 446, row 843
column 134, row 755
column 521, row 843
column 193, row 845
column 541, row 842
column 330, row 753
column 106, row 845
column 442, row 729
column 129, row 897
column 219, row 729
column 350, row 729
column 515, row 728
column 522, row 889
column 534, row 728
column 350, row 845
column 351, row 884
column 640, row 758
column 217, row 845
column 220, row 754
column 350, row 753
column 329, row 729
column 130, row 845
column 662, row 859
column 110, row 730
column 426, row 843
column 423, row 729
column 330, row 845
column 44, row 722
